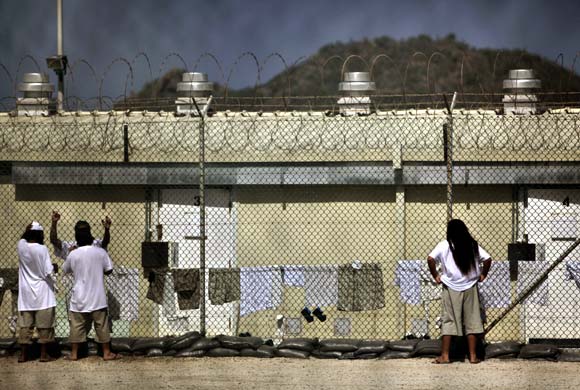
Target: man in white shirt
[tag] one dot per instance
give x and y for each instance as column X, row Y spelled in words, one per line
column 88, row 304
column 36, row 300
column 63, row 248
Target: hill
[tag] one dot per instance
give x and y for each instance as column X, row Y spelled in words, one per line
column 400, row 66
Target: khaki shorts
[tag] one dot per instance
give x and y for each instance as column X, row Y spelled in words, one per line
column 80, row 325
column 461, row 309
column 42, row 320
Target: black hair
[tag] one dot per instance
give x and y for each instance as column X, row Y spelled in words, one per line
column 83, row 237
column 463, row 246
column 36, row 236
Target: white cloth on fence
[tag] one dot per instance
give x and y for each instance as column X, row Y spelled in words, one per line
column 67, row 282
column 573, row 271
column 415, row 282
column 123, row 293
column 321, row 285
column 495, row 290
column 260, row 289
column 528, row 273
column 294, row 275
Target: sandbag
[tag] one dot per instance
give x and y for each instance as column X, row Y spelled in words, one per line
column 347, row 356
column 367, row 356
column 7, row 343
column 264, row 351
column 154, row 352
column 186, row 353
column 569, row 356
column 299, row 344
column 170, row 352
column 222, row 352
column 292, row 353
column 500, row 349
column 317, row 353
column 428, row 348
column 539, row 351
column 233, row 342
column 122, row 344
column 390, row 354
column 340, row 345
column 148, row 343
column 203, row 344
column 184, row 341
column 64, row 344
column 403, row 345
column 5, row 352
column 371, row 346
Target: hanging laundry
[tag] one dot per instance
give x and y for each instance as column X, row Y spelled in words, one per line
column 156, row 277
column 260, row 289
column 495, row 290
column 224, row 285
column 321, row 285
column 9, row 278
column 412, row 277
column 360, row 288
column 573, row 271
column 186, row 284
column 529, row 273
column 293, row 275
column 122, row 293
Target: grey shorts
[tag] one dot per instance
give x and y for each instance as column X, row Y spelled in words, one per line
column 80, row 325
column 461, row 309
column 43, row 320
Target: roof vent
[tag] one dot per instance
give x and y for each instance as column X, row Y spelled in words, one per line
column 194, row 86
column 520, row 89
column 37, row 95
column 356, row 88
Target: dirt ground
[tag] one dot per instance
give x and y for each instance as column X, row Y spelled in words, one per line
column 248, row 373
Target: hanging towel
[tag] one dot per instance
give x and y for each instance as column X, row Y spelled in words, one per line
column 156, row 277
column 123, row 293
column 260, row 289
column 495, row 290
column 360, row 289
column 293, row 275
column 528, row 273
column 224, row 285
column 573, row 271
column 10, row 283
column 321, row 284
column 186, row 284
column 407, row 278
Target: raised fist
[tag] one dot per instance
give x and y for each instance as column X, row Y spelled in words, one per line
column 106, row 222
column 55, row 216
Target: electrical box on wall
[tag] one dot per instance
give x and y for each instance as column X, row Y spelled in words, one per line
column 520, row 251
column 154, row 254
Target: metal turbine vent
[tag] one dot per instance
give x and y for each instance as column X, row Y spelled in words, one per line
column 356, row 88
column 193, row 89
column 520, row 89
column 37, row 95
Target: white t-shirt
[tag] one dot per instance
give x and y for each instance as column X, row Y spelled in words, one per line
column 68, row 246
column 88, row 264
column 451, row 276
column 35, row 284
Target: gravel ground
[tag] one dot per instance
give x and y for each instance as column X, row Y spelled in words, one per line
column 248, row 373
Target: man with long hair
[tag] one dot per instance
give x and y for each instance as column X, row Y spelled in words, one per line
column 36, row 300
column 88, row 304
column 460, row 257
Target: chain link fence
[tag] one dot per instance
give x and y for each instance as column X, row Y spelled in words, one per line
column 302, row 223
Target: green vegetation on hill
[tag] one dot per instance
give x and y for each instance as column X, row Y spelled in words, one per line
column 400, row 66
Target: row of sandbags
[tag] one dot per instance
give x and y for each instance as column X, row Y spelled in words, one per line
column 193, row 344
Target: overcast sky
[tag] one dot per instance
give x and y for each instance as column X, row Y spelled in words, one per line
column 101, row 31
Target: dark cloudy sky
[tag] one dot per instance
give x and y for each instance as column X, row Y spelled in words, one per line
column 101, row 31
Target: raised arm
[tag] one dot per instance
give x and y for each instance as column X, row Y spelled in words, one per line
column 53, row 230
column 107, row 235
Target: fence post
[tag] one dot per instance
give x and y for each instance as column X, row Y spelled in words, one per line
column 448, row 153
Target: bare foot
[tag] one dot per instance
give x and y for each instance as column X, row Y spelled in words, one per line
column 22, row 359
column 474, row 361
column 45, row 359
column 71, row 358
column 111, row 356
column 440, row 360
